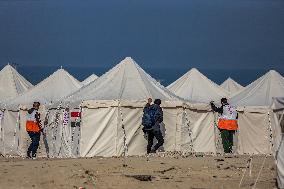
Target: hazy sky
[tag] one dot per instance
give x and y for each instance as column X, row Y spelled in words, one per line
column 156, row 33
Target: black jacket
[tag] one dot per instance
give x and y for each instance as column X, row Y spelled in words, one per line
column 216, row 109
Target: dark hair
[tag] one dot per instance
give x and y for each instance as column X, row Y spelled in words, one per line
column 158, row 101
column 36, row 103
column 224, row 100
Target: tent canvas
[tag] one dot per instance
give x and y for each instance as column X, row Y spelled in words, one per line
column 14, row 139
column 104, row 136
column 255, row 129
column 8, row 138
column 196, row 87
column 117, row 98
column 278, row 107
column 56, row 86
column 127, row 81
column 53, row 88
column 258, row 131
column 261, row 91
column 256, row 115
column 199, row 130
column 89, row 79
column 12, row 83
column 280, row 165
column 231, row 86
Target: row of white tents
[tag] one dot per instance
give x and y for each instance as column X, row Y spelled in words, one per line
column 13, row 84
column 111, row 110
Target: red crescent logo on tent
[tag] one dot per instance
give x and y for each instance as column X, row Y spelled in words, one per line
column 75, row 114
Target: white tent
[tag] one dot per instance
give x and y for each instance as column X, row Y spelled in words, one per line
column 196, row 87
column 278, row 107
column 56, row 86
column 89, row 79
column 112, row 108
column 127, row 81
column 261, row 91
column 12, row 83
column 231, row 86
column 53, row 88
column 257, row 129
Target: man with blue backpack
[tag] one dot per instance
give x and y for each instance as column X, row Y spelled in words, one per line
column 151, row 120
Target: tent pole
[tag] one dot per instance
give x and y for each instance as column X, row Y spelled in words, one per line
column 70, row 139
column 217, row 136
column 4, row 149
column 57, row 117
column 189, row 131
column 1, row 131
column 79, row 133
column 271, row 134
column 52, row 135
column 124, row 136
column 15, row 132
column 44, row 137
column 65, row 139
column 175, row 149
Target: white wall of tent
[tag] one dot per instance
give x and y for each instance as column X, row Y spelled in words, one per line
column 111, row 108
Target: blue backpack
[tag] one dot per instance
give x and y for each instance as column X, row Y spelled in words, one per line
column 148, row 119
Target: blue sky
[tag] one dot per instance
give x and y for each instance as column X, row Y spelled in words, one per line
column 210, row 35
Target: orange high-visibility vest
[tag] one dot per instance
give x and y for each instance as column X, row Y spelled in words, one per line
column 32, row 124
column 228, row 119
column 226, row 124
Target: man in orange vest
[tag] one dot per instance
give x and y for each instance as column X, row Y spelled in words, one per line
column 227, row 123
column 33, row 127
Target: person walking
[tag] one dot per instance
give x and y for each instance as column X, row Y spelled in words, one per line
column 227, row 123
column 151, row 120
column 33, row 127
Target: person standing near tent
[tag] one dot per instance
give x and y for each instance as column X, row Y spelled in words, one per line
column 147, row 106
column 227, row 123
column 33, row 127
column 146, row 119
column 151, row 120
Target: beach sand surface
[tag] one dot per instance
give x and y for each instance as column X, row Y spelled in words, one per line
column 155, row 172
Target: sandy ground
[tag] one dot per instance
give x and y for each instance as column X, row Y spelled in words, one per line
column 159, row 172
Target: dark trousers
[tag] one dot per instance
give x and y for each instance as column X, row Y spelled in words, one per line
column 35, row 138
column 227, row 140
column 151, row 135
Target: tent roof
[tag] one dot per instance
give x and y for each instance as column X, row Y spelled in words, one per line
column 261, row 91
column 89, row 79
column 53, row 88
column 12, row 83
column 126, row 81
column 231, row 86
column 194, row 86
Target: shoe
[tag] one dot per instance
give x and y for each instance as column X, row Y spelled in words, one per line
column 29, row 155
column 152, row 151
column 34, row 156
